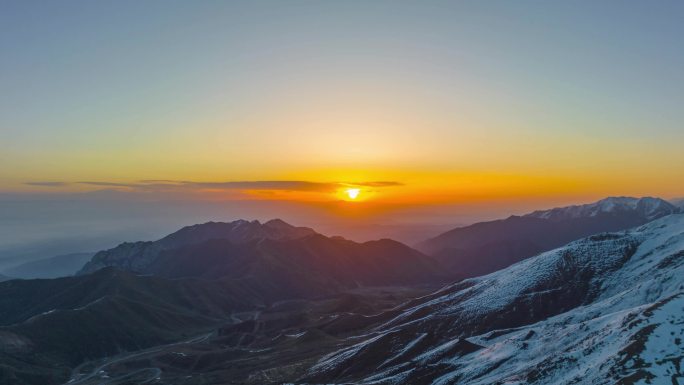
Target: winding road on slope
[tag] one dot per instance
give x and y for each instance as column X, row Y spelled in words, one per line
column 98, row 374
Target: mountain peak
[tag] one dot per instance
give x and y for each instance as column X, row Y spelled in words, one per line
column 278, row 223
column 238, row 231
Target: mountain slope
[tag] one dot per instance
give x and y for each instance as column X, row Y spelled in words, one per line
column 54, row 267
column 271, row 346
column 49, row 326
column 679, row 203
column 605, row 309
column 485, row 247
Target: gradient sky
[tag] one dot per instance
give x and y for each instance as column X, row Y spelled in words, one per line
column 443, row 102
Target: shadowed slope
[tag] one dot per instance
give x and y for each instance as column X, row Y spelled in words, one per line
column 59, row 323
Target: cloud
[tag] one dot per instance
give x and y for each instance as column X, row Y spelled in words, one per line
column 377, row 184
column 283, row 185
column 47, row 184
column 110, row 184
column 158, row 181
column 263, row 185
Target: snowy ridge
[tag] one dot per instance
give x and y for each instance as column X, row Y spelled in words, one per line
column 606, row 309
column 650, row 208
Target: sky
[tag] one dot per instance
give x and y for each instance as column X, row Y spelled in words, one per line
column 438, row 109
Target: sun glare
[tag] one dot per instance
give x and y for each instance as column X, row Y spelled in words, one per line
column 353, row 193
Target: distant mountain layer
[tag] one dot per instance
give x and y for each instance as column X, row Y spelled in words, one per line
column 59, row 266
column 489, row 246
column 4, row 278
column 606, row 309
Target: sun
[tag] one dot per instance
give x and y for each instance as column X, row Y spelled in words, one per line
column 353, row 193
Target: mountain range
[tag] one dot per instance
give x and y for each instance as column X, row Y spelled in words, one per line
column 606, row 309
column 486, row 247
column 247, row 302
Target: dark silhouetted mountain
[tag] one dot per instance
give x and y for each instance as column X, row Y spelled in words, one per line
column 136, row 255
column 340, row 263
column 298, row 261
column 55, row 267
column 485, row 247
column 606, row 309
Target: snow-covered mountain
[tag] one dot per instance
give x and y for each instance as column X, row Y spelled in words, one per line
column 485, row 247
column 607, row 309
column 647, row 207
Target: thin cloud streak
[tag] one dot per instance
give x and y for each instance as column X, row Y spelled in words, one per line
column 267, row 185
column 47, row 184
column 377, row 184
column 109, row 184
